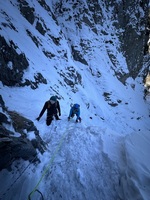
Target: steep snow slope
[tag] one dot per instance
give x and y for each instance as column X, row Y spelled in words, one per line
column 91, row 161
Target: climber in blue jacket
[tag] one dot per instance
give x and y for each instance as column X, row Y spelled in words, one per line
column 75, row 110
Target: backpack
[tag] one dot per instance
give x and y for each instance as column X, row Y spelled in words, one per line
column 76, row 108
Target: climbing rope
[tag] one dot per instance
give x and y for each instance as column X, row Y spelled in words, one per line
column 48, row 166
column 45, row 171
column 17, row 178
column 39, row 193
column 13, row 183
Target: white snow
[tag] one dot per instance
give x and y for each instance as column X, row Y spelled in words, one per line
column 106, row 157
column 137, row 171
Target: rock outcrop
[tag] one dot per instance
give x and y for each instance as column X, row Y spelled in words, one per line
column 15, row 144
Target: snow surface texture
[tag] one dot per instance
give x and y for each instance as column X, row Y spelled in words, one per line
column 106, row 157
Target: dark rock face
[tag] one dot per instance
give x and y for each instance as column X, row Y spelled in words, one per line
column 20, row 123
column 77, row 56
column 129, row 19
column 131, row 30
column 3, row 118
column 12, row 147
column 71, row 78
column 34, row 84
column 40, row 28
column 132, row 18
column 27, row 11
column 12, row 65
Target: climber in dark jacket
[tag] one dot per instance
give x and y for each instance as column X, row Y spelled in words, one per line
column 53, row 109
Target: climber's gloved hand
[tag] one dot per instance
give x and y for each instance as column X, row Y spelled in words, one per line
column 38, row 118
